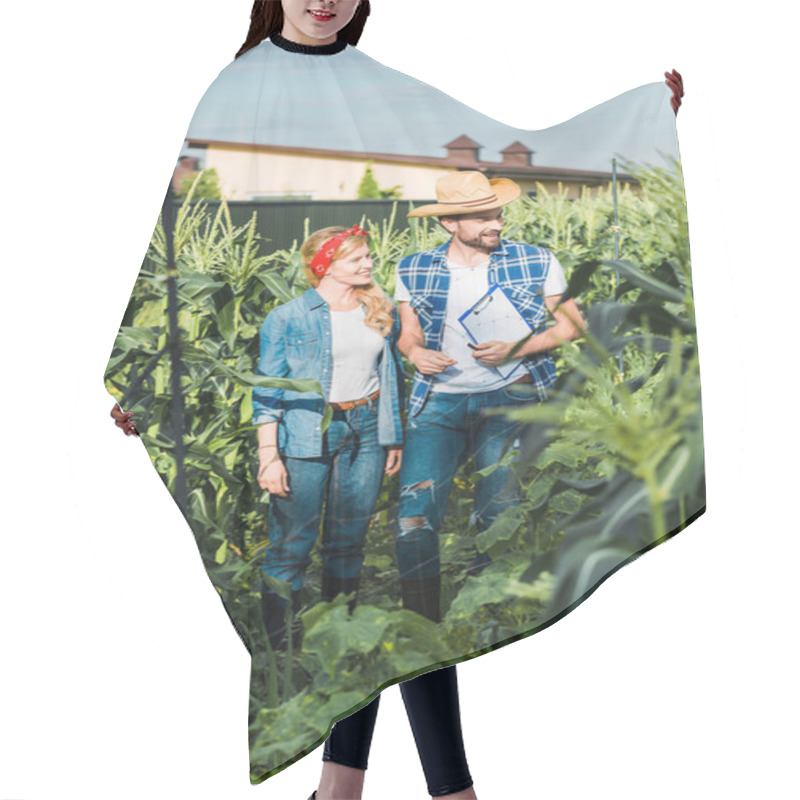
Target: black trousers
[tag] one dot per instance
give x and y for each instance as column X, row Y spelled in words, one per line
column 431, row 702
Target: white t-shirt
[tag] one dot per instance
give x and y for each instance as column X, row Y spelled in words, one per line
column 355, row 351
column 467, row 286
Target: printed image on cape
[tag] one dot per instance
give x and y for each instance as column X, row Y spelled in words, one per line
column 428, row 515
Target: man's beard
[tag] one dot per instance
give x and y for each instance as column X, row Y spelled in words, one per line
column 479, row 244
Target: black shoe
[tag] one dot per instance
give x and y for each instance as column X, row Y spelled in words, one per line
column 273, row 610
column 331, row 587
column 423, row 595
column 478, row 564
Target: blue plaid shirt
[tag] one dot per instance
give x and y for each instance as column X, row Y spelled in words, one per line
column 520, row 269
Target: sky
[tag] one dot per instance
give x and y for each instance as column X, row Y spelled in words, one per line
column 368, row 107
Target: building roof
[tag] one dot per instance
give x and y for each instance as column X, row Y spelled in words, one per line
column 348, row 102
column 516, row 147
column 490, row 168
column 462, row 142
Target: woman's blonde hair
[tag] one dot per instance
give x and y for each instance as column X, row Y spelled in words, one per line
column 379, row 308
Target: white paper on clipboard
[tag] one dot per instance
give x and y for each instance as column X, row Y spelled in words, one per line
column 495, row 318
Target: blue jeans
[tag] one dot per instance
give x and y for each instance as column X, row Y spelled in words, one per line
column 347, row 477
column 449, row 429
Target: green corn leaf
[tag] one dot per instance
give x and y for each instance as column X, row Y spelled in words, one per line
column 644, row 281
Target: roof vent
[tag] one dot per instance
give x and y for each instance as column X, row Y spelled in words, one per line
column 463, row 150
column 517, row 155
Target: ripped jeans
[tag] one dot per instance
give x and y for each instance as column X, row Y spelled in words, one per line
column 449, row 429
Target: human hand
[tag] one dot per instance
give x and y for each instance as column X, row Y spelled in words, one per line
column 492, row 354
column 273, row 477
column 394, row 458
column 124, row 420
column 675, row 83
column 430, row 362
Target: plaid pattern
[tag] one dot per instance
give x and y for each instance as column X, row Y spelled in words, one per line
column 520, row 269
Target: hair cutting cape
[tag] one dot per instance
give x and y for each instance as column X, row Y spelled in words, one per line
column 609, row 463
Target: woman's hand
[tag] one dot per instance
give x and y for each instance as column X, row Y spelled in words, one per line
column 273, row 477
column 124, row 420
column 675, row 82
column 394, row 458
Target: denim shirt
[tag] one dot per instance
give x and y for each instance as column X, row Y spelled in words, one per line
column 296, row 342
column 520, row 269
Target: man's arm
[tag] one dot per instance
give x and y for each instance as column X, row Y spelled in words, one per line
column 412, row 344
column 569, row 324
column 411, row 335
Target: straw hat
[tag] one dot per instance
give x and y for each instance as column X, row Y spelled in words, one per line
column 467, row 192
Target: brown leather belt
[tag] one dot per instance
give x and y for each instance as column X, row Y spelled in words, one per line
column 526, row 378
column 348, row 404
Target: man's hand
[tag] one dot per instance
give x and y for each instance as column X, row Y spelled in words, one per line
column 675, row 83
column 124, row 420
column 430, row 362
column 492, row 354
column 394, row 458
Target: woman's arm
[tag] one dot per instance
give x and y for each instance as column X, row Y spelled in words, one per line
column 272, row 474
column 268, row 407
column 268, row 436
column 272, row 363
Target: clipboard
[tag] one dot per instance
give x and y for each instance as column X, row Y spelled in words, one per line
column 494, row 316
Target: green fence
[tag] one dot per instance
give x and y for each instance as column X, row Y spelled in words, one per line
column 282, row 221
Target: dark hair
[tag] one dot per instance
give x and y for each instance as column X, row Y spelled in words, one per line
column 266, row 19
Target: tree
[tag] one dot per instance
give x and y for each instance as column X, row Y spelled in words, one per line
column 207, row 185
column 368, row 188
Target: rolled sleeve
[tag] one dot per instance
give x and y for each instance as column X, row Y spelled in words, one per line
column 401, row 293
column 268, row 401
column 555, row 282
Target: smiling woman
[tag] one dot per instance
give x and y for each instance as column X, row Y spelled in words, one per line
column 316, row 22
column 307, row 22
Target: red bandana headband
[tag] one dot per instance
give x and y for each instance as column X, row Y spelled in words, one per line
column 324, row 256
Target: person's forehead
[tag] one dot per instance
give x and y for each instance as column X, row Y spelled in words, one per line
column 488, row 214
column 358, row 249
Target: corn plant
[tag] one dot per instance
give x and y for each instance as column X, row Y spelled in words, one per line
column 610, row 465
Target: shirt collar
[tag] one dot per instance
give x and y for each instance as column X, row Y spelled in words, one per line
column 312, row 50
column 440, row 252
column 313, row 299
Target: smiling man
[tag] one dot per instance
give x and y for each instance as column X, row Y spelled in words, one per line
column 458, row 379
